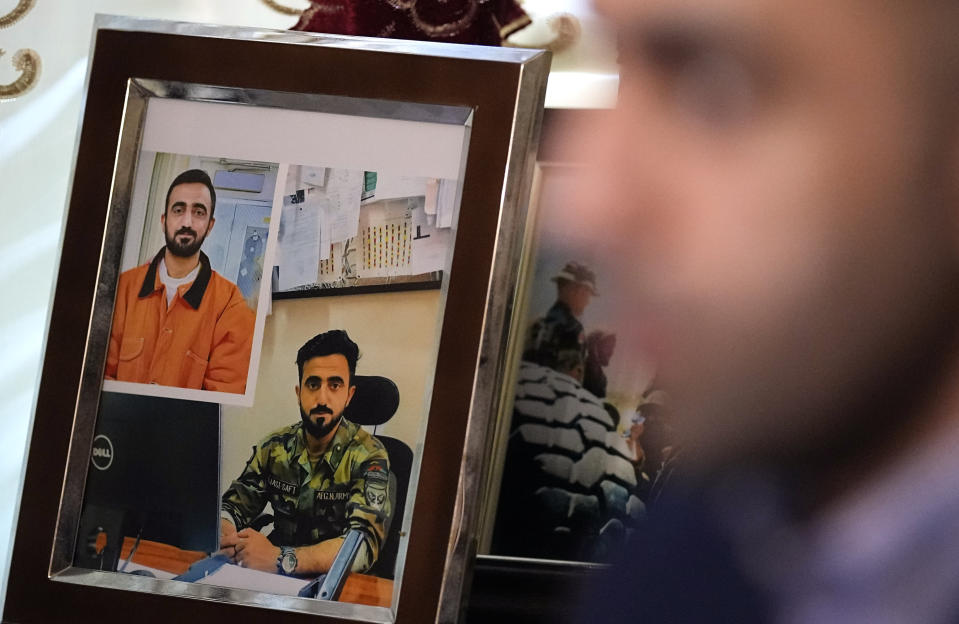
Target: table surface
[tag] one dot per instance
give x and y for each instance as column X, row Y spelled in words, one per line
column 359, row 588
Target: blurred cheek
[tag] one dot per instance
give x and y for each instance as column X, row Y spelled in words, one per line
column 680, row 216
column 601, row 198
column 720, row 250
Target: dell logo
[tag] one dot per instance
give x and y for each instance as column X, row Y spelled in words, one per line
column 102, row 455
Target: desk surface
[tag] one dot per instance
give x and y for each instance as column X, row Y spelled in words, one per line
column 359, row 588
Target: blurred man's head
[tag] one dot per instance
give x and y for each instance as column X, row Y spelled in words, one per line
column 575, row 286
column 779, row 186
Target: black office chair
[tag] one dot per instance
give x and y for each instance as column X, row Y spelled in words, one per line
column 374, row 403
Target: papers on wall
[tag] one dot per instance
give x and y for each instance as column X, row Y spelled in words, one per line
column 390, row 186
column 344, row 188
column 312, row 176
column 432, row 198
column 300, row 240
column 386, row 238
column 339, row 225
column 441, row 201
column 331, row 268
column 430, row 245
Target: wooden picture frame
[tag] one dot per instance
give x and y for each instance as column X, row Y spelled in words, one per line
column 490, row 98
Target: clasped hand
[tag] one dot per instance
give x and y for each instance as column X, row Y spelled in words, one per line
column 249, row 548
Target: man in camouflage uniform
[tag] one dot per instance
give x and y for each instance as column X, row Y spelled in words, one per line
column 557, row 340
column 323, row 476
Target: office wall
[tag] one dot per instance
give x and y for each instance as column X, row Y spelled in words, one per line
column 397, row 334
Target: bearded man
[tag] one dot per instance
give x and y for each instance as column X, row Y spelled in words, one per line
column 176, row 321
column 323, row 476
column 779, row 188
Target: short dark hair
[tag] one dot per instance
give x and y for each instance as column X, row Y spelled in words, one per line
column 328, row 343
column 192, row 176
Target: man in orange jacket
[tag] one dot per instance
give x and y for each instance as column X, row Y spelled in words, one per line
column 176, row 321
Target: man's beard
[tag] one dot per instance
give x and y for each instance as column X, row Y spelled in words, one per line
column 320, row 429
column 183, row 250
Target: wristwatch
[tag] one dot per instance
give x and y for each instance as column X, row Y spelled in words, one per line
column 286, row 562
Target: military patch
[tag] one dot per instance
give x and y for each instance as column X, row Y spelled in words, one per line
column 374, row 466
column 377, row 481
column 282, row 486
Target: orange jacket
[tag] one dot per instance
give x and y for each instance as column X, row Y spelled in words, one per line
column 202, row 341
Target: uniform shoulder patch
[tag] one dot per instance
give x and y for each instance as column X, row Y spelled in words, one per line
column 376, row 476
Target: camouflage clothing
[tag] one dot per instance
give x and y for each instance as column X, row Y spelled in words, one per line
column 557, row 340
column 351, row 487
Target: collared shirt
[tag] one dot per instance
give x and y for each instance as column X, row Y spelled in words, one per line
column 887, row 552
column 201, row 340
column 349, row 487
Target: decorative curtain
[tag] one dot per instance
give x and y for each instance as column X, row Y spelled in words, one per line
column 485, row 22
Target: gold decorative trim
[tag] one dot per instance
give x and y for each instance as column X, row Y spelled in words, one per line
column 23, row 7
column 276, row 6
column 566, row 31
column 319, row 8
column 402, row 5
column 449, row 29
column 517, row 24
column 443, row 30
column 28, row 63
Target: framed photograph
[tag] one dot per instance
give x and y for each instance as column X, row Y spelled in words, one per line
column 278, row 328
column 225, row 235
column 570, row 482
column 583, row 435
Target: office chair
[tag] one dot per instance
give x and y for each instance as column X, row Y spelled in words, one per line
column 374, row 403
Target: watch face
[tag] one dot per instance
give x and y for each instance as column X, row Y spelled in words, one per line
column 288, row 562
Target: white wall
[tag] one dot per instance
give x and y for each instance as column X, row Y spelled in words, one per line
column 37, row 136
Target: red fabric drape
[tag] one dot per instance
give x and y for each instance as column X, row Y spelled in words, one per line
column 485, row 22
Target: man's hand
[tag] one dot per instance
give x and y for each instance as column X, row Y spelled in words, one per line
column 226, row 528
column 250, row 549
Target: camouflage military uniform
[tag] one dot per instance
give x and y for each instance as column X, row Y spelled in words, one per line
column 557, row 340
column 350, row 487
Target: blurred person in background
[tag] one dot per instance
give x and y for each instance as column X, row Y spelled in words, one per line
column 599, row 351
column 781, row 181
column 558, row 340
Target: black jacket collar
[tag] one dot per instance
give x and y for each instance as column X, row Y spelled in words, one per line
column 194, row 295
